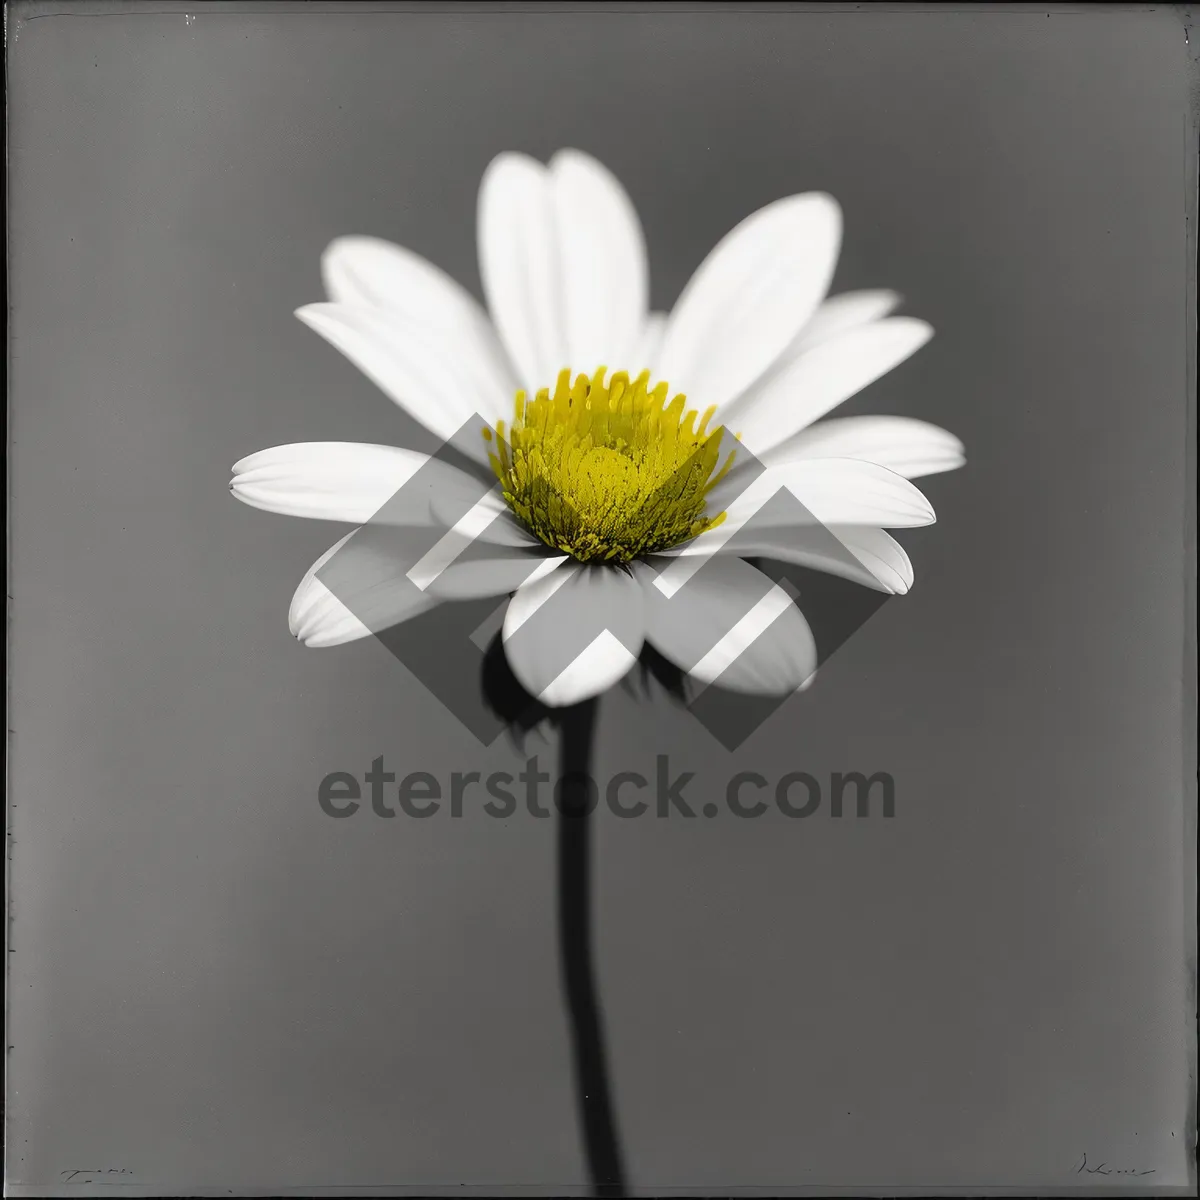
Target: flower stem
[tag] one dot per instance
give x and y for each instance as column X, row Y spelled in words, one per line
column 577, row 729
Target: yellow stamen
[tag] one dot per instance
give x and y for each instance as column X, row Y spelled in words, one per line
column 608, row 471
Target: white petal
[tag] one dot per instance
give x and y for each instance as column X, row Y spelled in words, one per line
column 604, row 662
column 563, row 263
column 362, row 587
column 438, row 382
column 519, row 266
column 833, row 491
column 491, row 571
column 750, row 298
column 370, row 272
column 313, row 606
column 574, row 633
column 646, row 350
column 343, row 481
column 820, row 379
column 489, row 519
column 818, row 494
column 877, row 550
column 859, row 552
column 910, row 448
column 848, row 310
column 603, row 273
column 734, row 627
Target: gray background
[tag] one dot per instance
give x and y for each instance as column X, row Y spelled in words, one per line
column 213, row 983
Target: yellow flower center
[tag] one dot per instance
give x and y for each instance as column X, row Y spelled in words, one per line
column 608, row 471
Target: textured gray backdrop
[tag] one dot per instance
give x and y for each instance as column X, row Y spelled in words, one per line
column 215, row 984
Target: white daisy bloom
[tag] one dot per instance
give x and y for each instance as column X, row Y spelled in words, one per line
column 612, row 508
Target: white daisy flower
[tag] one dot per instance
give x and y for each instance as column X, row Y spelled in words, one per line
column 613, row 507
